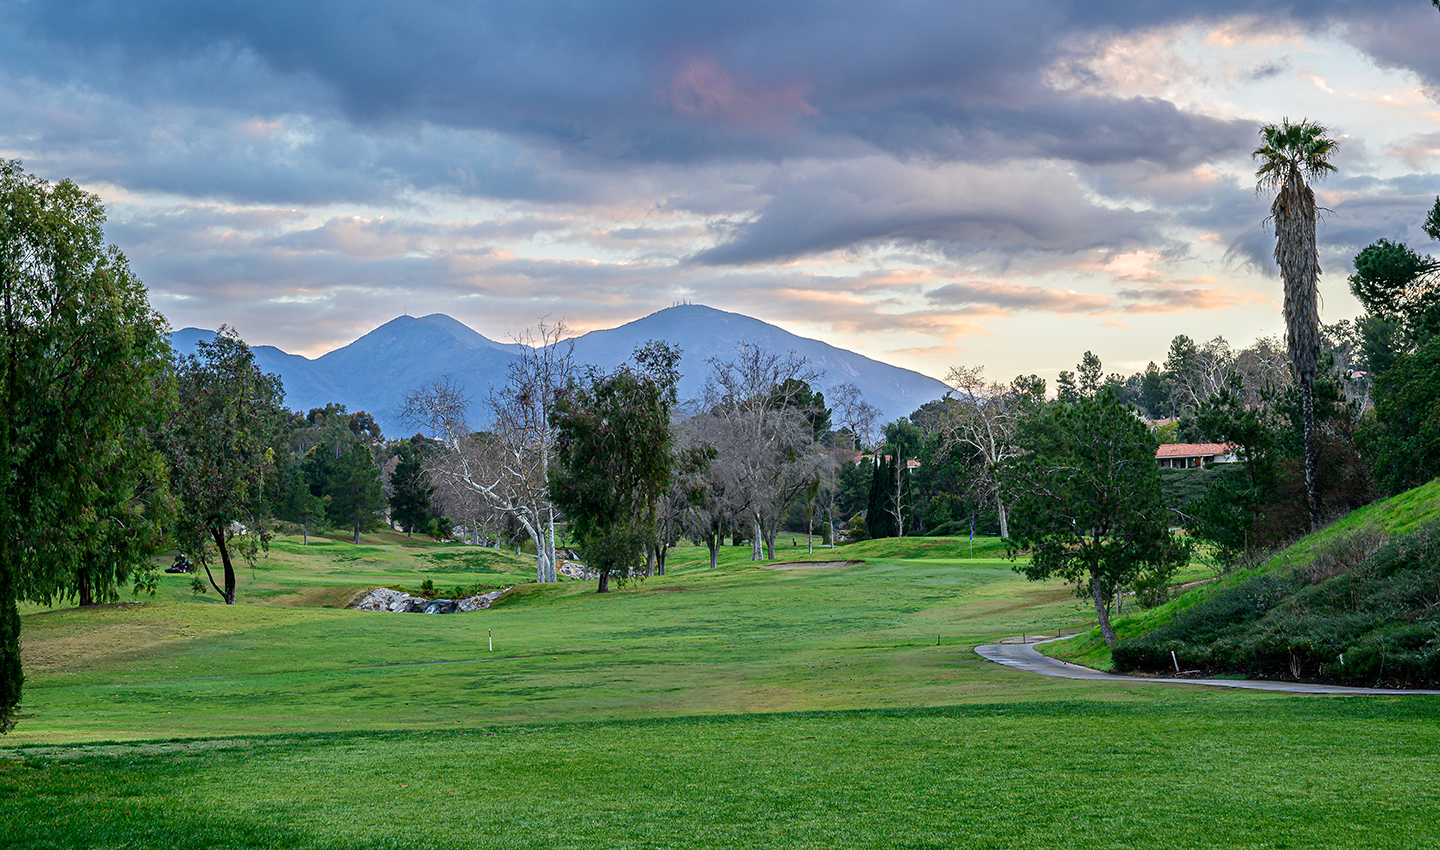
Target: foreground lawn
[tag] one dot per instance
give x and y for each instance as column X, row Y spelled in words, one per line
column 1198, row 769
column 808, row 705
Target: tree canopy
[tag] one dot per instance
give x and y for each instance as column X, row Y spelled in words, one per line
column 220, row 440
column 83, row 498
column 1087, row 504
column 613, row 463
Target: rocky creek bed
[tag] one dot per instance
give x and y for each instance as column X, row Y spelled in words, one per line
column 400, row 602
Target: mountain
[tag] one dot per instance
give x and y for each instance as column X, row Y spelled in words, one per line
column 374, row 372
column 704, row 333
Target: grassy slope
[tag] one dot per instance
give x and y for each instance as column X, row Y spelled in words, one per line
column 740, row 638
column 1397, row 515
column 742, row 706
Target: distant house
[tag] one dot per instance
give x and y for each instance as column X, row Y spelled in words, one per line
column 858, row 458
column 1194, row 455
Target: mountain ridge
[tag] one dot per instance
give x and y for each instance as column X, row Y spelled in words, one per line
column 374, row 372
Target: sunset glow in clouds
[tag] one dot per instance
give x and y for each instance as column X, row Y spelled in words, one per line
column 930, row 184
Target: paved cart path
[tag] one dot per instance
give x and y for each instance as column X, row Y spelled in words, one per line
column 1025, row 657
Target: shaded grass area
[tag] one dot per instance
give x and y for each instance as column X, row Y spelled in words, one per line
column 1205, row 770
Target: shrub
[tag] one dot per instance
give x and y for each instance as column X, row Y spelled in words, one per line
column 1360, row 610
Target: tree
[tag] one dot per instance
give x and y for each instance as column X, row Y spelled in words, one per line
column 411, row 491
column 219, row 442
column 83, row 385
column 881, row 520
column 1290, row 155
column 349, row 483
column 613, row 462
column 288, row 496
column 1087, row 503
column 511, row 475
column 767, row 435
column 1401, row 293
column 707, row 481
column 1406, row 444
column 854, row 416
column 983, row 423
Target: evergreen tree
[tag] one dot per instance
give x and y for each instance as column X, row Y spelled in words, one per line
column 220, row 440
column 411, row 492
column 1087, row 502
column 614, row 461
column 82, row 390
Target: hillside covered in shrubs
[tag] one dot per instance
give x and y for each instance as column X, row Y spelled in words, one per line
column 1362, row 609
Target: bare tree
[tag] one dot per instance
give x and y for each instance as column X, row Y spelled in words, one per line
column 854, row 414
column 1263, row 367
column 510, row 471
column 710, row 492
column 982, row 423
column 767, row 437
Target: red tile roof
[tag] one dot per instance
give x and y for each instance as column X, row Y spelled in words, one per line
column 1193, row 450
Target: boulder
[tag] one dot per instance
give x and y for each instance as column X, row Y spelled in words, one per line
column 395, row 601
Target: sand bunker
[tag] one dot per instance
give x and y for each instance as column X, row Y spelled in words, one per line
column 813, row 565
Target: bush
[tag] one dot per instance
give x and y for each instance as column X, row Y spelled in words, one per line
column 1359, row 611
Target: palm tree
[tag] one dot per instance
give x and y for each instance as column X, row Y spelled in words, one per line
column 1289, row 155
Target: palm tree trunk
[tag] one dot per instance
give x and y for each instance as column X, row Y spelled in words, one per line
column 1312, row 495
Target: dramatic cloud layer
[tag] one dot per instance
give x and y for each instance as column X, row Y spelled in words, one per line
column 928, row 182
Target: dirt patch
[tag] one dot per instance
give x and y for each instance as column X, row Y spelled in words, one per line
column 813, row 565
column 318, row 597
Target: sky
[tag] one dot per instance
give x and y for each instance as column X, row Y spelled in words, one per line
column 928, row 183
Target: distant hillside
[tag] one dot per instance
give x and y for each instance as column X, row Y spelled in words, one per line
column 704, row 333
column 374, row 372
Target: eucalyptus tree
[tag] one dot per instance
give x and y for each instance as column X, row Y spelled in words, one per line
column 219, row 440
column 83, row 385
column 1291, row 155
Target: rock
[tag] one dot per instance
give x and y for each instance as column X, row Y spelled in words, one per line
column 481, row 602
column 395, row 601
column 571, row 569
column 382, row 599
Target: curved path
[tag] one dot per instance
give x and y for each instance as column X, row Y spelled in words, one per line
column 1025, row 657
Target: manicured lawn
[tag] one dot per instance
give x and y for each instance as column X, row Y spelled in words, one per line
column 1194, row 770
column 818, row 706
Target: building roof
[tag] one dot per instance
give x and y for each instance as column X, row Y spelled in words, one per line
column 1193, row 450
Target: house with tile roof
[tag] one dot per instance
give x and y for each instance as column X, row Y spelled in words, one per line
column 1194, row 455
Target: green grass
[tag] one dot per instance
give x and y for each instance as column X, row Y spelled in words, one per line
column 1198, row 770
column 820, row 706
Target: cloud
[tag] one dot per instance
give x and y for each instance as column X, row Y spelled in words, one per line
column 1007, row 296
column 1202, row 293
column 1418, row 150
column 953, row 210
